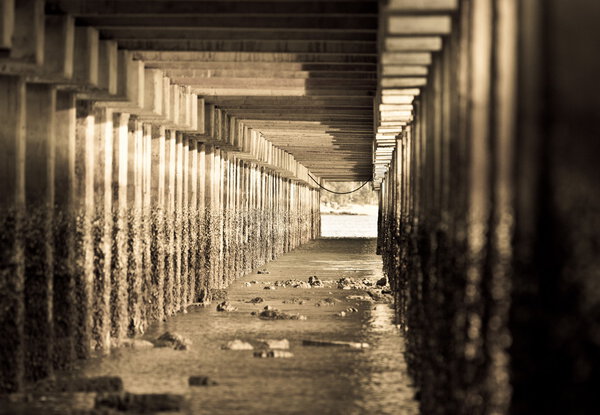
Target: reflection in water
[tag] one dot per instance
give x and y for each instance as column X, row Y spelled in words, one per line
column 384, row 380
column 316, row 380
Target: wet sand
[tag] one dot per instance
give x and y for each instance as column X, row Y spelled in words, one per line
column 316, row 380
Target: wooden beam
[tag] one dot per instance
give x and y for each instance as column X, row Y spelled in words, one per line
column 419, row 25
column 187, row 8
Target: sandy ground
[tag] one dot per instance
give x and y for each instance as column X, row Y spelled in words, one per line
column 311, row 380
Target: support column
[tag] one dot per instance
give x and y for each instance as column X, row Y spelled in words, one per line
column 178, row 213
column 119, row 309
column 64, row 304
column 170, row 157
column 12, row 208
column 193, row 251
column 134, row 219
column 148, row 260
column 158, row 244
column 201, row 265
column 39, row 247
column 102, row 229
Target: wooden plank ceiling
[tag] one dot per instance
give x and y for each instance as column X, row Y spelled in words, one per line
column 333, row 82
column 304, row 73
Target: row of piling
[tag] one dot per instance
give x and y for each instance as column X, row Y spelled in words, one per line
column 489, row 208
column 445, row 221
column 110, row 223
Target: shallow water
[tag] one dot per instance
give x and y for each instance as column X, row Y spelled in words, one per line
column 348, row 226
column 316, row 380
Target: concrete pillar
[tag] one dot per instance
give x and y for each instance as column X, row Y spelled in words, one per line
column 64, row 304
column 147, row 221
column 193, row 251
column 178, row 213
column 184, row 227
column 202, row 251
column 12, row 258
column 39, row 247
column 170, row 265
column 134, row 225
column 103, row 228
column 119, row 274
column 158, row 228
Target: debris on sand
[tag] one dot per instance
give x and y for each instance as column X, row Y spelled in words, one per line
column 173, row 340
column 352, row 310
column 201, row 381
column 329, row 301
column 140, row 403
column 131, row 344
column 262, row 271
column 226, row 306
column 341, row 314
column 380, row 297
column 332, row 343
column 273, row 354
column 314, row 281
column 256, row 300
column 346, row 283
column 282, row 344
column 278, row 315
column 237, row 345
column 359, row 298
column 296, row 300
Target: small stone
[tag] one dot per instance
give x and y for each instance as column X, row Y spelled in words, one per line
column 273, row 354
column 237, row 345
column 268, row 307
column 173, row 340
column 352, row 310
column 262, row 271
column 278, row 315
column 268, row 287
column 327, row 343
column 314, row 281
column 201, row 381
column 341, row 314
column 247, row 284
column 140, row 403
column 282, row 344
column 226, row 307
column 359, row 298
column 329, row 301
column 382, row 282
column 295, row 300
column 254, row 313
column 256, row 300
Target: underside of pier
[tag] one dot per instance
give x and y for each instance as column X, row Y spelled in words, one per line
column 153, row 152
